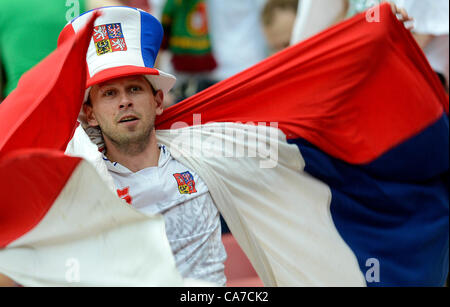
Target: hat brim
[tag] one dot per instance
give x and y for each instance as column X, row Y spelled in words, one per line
column 158, row 79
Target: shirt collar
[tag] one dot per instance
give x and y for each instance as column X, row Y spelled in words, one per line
column 116, row 167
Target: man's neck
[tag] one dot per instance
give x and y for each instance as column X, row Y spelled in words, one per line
column 147, row 157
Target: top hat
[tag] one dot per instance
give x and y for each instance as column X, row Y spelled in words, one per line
column 125, row 42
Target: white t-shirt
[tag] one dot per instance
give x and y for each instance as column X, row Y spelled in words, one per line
column 191, row 217
column 314, row 16
column 156, row 8
column 236, row 33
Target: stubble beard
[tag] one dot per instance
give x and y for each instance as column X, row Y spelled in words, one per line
column 129, row 144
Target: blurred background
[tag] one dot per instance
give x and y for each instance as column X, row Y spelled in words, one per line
column 207, row 41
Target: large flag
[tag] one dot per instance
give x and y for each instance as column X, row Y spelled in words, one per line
column 60, row 223
column 370, row 119
column 329, row 162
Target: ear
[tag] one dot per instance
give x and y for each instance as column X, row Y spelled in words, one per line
column 159, row 98
column 90, row 116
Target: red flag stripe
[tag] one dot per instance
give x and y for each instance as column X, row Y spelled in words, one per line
column 30, row 181
column 364, row 91
column 42, row 111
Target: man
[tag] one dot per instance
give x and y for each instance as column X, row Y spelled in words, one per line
column 431, row 31
column 316, row 16
column 150, row 180
column 236, row 35
column 146, row 176
column 281, row 216
column 186, row 37
column 278, row 19
column 123, row 109
column 6, row 281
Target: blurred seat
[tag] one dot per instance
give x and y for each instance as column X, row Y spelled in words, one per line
column 238, row 269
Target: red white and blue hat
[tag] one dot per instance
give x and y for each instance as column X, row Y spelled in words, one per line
column 125, row 42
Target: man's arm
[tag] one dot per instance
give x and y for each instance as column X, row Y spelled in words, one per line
column 6, row 281
column 423, row 39
column 430, row 18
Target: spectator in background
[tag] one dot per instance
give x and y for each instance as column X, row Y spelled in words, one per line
column 315, row 16
column 431, row 31
column 156, row 8
column 29, row 31
column 431, row 26
column 358, row 6
column 237, row 38
column 186, row 35
column 278, row 19
column 141, row 4
column 237, row 42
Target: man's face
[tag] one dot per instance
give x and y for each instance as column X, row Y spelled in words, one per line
column 125, row 109
column 278, row 33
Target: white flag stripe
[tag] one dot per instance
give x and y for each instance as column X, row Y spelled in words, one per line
column 90, row 229
column 280, row 216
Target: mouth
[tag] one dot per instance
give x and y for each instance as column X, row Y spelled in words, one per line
column 128, row 118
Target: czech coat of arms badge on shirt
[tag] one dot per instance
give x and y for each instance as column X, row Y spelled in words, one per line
column 109, row 38
column 186, row 183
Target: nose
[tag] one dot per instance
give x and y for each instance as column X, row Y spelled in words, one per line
column 125, row 102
